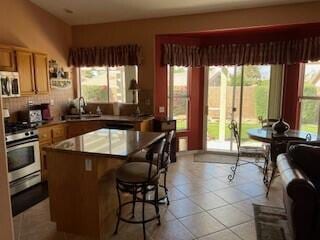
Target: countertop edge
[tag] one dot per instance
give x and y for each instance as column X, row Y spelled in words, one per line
column 50, row 148
column 102, row 118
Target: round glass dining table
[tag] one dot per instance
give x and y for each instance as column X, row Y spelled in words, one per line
column 267, row 135
column 278, row 143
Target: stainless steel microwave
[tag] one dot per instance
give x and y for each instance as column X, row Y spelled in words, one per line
column 10, row 84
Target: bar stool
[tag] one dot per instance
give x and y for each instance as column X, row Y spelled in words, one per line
column 140, row 178
column 165, row 161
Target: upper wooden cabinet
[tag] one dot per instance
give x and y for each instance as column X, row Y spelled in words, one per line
column 41, row 73
column 33, row 71
column 26, row 72
column 7, row 61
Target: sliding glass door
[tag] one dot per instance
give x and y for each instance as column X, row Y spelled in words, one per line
column 239, row 93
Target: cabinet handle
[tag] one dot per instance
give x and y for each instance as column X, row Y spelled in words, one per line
column 36, row 91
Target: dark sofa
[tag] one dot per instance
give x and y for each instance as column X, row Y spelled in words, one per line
column 300, row 173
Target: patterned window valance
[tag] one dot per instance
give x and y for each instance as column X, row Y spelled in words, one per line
column 278, row 52
column 105, row 56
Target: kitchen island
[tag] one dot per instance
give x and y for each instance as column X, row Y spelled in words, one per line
column 54, row 131
column 81, row 178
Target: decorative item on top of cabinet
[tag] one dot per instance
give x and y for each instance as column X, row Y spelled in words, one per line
column 7, row 61
column 166, row 125
column 58, row 77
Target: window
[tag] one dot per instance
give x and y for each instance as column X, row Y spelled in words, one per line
column 178, row 96
column 107, row 84
column 310, row 97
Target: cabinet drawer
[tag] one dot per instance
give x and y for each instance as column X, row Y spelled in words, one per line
column 45, row 135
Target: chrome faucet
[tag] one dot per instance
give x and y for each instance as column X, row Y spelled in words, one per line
column 80, row 107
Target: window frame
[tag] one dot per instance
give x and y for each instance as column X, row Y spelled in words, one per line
column 107, row 68
column 170, row 95
column 301, row 97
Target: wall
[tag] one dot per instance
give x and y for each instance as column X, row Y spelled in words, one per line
column 6, row 231
column 23, row 24
column 26, row 25
column 143, row 32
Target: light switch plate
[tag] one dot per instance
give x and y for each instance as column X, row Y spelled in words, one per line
column 88, row 165
column 161, row 109
column 51, row 102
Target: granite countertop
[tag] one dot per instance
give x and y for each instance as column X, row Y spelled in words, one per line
column 111, row 118
column 108, row 142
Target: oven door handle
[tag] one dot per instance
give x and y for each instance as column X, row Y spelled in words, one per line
column 23, row 179
column 22, row 142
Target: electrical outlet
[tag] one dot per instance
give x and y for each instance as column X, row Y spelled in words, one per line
column 88, row 165
column 30, row 102
column 51, row 102
column 161, row 109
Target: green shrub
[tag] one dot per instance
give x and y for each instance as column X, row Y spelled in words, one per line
column 261, row 96
column 95, row 93
column 309, row 108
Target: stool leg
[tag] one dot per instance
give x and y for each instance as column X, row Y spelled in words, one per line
column 156, row 203
column 265, row 171
column 234, row 169
column 143, row 212
column 119, row 211
column 271, row 178
column 165, row 186
column 134, row 198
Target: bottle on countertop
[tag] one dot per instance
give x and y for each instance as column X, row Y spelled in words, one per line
column 98, row 110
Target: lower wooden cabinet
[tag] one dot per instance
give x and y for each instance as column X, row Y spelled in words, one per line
column 49, row 135
column 79, row 128
column 57, row 133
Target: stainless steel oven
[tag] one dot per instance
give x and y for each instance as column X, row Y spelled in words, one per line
column 23, row 162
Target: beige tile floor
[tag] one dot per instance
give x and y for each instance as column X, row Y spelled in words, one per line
column 204, row 206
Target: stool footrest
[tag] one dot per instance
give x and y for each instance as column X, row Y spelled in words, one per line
column 136, row 221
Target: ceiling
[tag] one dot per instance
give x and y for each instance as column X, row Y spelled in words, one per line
column 101, row 11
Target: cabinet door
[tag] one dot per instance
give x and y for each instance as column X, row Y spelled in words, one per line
column 25, row 69
column 45, row 135
column 44, row 167
column 77, row 129
column 41, row 73
column 7, row 62
column 59, row 133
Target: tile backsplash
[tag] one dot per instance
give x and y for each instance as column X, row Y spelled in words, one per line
column 60, row 98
